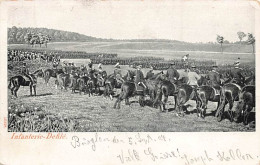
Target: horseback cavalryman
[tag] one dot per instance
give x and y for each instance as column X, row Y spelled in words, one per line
column 193, row 77
column 236, row 74
column 139, row 79
column 214, row 79
column 91, row 70
column 117, row 74
column 25, row 72
column 99, row 75
column 55, row 63
column 150, row 73
column 172, row 74
column 100, row 70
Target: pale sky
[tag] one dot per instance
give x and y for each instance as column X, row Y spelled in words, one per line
column 155, row 19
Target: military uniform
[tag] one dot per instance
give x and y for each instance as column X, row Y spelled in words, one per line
column 214, row 81
column 172, row 74
column 25, row 72
column 237, row 76
column 193, row 77
column 139, row 78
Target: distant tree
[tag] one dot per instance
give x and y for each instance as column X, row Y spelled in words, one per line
column 220, row 40
column 46, row 40
column 28, row 38
column 251, row 41
column 241, row 35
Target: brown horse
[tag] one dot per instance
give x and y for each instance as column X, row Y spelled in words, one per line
column 187, row 92
column 245, row 104
column 19, row 80
column 63, row 80
column 228, row 94
column 128, row 90
column 111, row 83
column 48, row 73
column 82, row 83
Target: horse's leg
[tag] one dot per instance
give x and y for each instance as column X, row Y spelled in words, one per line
column 12, row 90
column 231, row 103
column 127, row 101
column 34, row 88
column 203, row 106
column 165, row 99
column 246, row 114
column 15, row 90
column 175, row 102
column 141, row 101
column 30, row 90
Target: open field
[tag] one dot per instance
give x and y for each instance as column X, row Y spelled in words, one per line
column 158, row 49
column 97, row 114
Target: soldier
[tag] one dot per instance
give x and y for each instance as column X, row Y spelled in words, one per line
column 236, row 74
column 117, row 74
column 172, row 73
column 150, row 73
column 25, row 72
column 100, row 70
column 139, row 79
column 193, row 77
column 214, row 79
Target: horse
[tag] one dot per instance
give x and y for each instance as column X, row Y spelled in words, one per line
column 187, row 92
column 19, row 80
column 48, row 73
column 82, row 84
column 101, row 78
column 63, row 79
column 111, row 83
column 228, row 94
column 245, row 104
column 128, row 89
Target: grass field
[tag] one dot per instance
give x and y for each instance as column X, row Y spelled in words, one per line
column 97, row 114
column 166, row 50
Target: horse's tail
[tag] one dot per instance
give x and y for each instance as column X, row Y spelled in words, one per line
column 222, row 101
column 10, row 83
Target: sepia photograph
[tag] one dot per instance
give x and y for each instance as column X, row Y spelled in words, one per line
column 123, row 82
column 121, row 66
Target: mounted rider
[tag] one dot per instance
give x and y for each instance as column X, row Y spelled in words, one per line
column 91, row 70
column 150, row 73
column 193, row 77
column 214, row 79
column 236, row 74
column 117, row 74
column 172, row 74
column 139, row 79
column 99, row 75
column 25, row 72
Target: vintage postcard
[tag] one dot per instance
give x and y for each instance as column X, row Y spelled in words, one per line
column 129, row 82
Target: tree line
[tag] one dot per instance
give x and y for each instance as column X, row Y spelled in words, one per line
column 18, row 35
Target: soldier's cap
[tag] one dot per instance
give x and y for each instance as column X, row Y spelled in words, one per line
column 172, row 63
column 214, row 66
column 193, row 66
